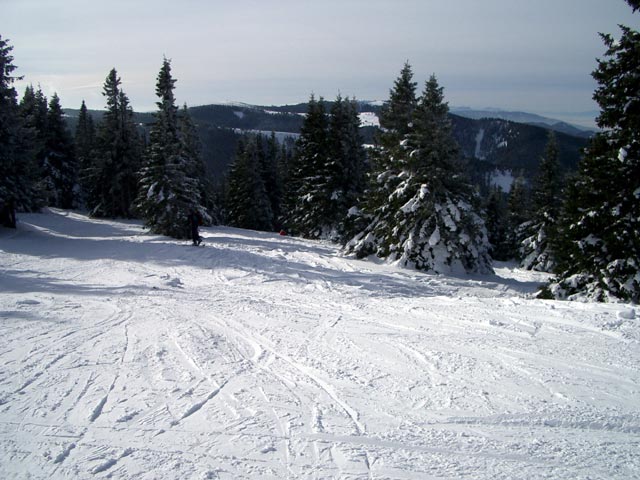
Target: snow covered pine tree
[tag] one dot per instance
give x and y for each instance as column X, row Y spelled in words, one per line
column 599, row 239
column 430, row 220
column 536, row 250
column 167, row 193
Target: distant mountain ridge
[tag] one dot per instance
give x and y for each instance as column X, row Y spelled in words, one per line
column 495, row 147
column 526, row 118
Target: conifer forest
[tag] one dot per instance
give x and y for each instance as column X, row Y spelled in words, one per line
column 407, row 196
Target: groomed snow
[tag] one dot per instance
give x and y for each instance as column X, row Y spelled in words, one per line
column 130, row 355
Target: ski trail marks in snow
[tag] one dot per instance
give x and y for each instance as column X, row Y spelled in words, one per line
column 264, row 344
column 197, row 406
column 62, row 456
column 97, row 411
column 109, row 463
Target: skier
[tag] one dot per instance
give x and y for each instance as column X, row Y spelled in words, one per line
column 195, row 220
column 8, row 213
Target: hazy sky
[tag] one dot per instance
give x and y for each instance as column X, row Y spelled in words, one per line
column 532, row 55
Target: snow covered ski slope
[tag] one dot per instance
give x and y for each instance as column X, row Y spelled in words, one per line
column 129, row 355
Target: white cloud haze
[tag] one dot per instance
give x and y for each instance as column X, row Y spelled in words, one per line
column 510, row 54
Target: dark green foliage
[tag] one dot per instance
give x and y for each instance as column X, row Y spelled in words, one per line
column 306, row 202
column 422, row 210
column 34, row 111
column 328, row 173
column 18, row 168
column 386, row 157
column 536, row 250
column 168, row 190
column 60, row 171
column 85, row 140
column 248, row 203
column 195, row 167
column 109, row 179
column 496, row 218
column 397, row 114
column 349, row 165
column 254, row 196
column 269, row 152
column 599, row 246
column 518, row 215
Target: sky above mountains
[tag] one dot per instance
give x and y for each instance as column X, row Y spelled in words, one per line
column 510, row 54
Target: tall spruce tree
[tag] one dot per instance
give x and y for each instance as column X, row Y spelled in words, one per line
column 17, row 159
column 307, row 201
column 60, row 172
column 430, row 221
column 397, row 114
column 496, row 215
column 167, row 192
column 536, row 250
column 396, row 118
column 195, row 167
column 599, row 248
column 110, row 178
column 269, row 158
column 34, row 111
column 85, row 138
column 347, row 166
column 248, row 204
column 328, row 172
column 518, row 216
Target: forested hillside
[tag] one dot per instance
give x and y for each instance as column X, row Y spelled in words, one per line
column 497, row 144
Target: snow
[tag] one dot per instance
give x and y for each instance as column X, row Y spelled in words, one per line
column 503, row 179
column 434, row 238
column 130, row 355
column 369, row 119
column 281, row 137
column 622, row 154
column 478, row 150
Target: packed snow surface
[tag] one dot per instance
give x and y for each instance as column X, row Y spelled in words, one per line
column 130, row 355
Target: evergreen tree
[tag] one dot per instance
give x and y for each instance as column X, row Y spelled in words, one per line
column 85, row 139
column 431, row 219
column 60, row 173
column 34, row 111
column 269, row 159
column 396, row 118
column 111, row 178
column 536, row 250
column 347, row 166
column 307, row 202
column 17, row 166
column 599, row 248
column 518, row 216
column 284, row 165
column 247, row 200
column 497, row 225
column 396, row 115
column 328, row 173
column 167, row 191
column 195, row 167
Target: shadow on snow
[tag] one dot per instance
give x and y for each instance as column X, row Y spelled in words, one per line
column 62, row 234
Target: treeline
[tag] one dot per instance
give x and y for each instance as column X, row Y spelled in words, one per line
column 407, row 199
column 113, row 169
